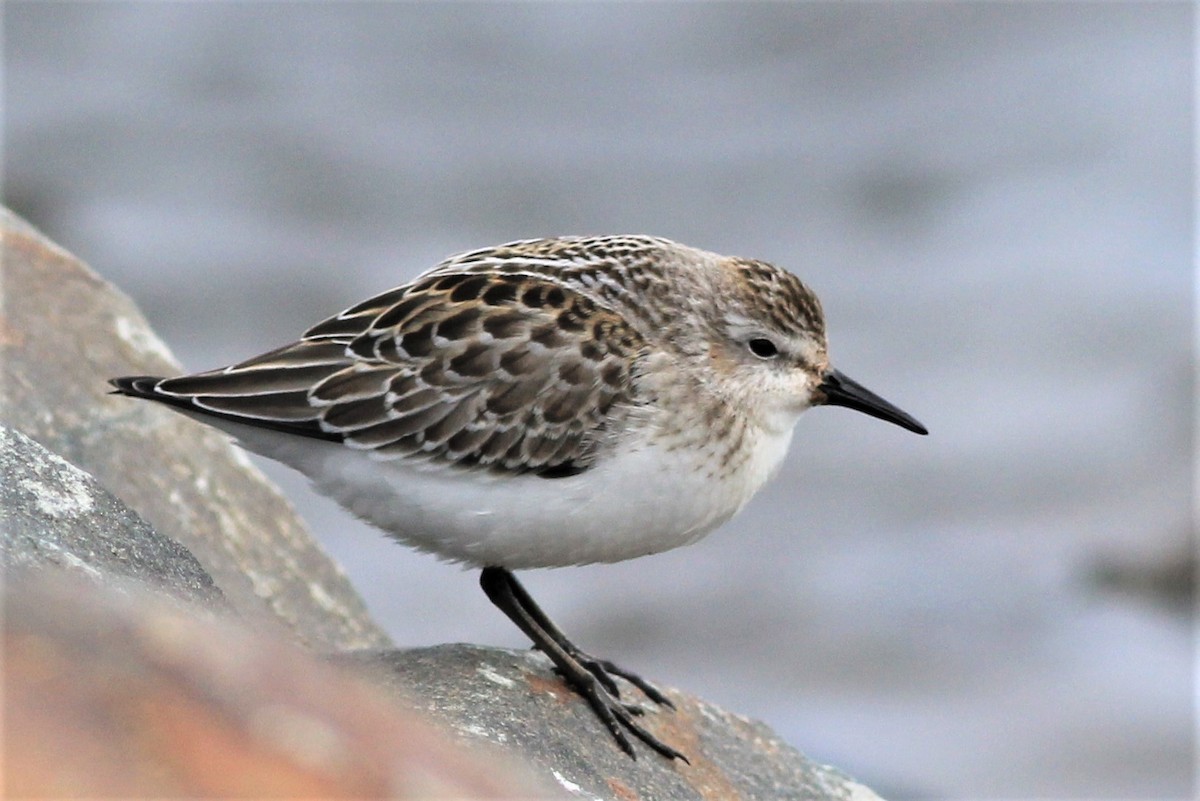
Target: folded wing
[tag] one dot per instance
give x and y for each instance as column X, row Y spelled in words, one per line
column 511, row 371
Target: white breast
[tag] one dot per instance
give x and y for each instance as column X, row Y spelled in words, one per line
column 643, row 500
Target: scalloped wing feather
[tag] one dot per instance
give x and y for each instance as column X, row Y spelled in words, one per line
column 510, row 371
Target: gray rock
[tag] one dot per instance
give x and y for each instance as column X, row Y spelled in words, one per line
column 63, row 333
column 52, row 514
column 515, row 701
column 116, row 694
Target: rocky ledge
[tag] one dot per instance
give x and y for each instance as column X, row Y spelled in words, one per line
column 171, row 628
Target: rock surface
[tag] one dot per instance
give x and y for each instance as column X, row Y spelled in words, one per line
column 64, row 332
column 124, row 694
column 514, row 700
column 119, row 695
column 52, row 514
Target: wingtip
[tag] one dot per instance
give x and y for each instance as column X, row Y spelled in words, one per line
column 135, row 386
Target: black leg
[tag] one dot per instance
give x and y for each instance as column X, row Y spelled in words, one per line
column 601, row 668
column 584, row 675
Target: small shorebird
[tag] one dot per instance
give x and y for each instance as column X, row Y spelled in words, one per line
column 544, row 403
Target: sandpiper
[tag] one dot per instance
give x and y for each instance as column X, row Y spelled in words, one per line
column 544, row 403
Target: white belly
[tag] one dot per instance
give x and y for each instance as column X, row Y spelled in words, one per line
column 645, row 500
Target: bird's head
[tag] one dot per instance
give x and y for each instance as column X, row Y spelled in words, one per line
column 770, row 339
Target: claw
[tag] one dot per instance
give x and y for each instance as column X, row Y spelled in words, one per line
column 616, row 713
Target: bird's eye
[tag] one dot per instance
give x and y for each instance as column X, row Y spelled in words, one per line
column 763, row 348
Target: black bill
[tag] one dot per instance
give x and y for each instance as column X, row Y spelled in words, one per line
column 838, row 390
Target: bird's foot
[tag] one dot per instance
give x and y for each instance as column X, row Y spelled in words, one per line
column 589, row 677
column 604, row 668
column 617, row 715
column 604, row 671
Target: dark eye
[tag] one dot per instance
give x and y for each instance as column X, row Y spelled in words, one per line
column 763, row 348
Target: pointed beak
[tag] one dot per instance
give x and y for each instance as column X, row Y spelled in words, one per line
column 838, row 390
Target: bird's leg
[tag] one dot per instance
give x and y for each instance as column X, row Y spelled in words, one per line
column 600, row 668
column 509, row 597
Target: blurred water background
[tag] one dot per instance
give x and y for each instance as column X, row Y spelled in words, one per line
column 994, row 201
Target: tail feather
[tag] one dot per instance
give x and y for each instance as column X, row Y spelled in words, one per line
column 280, row 416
